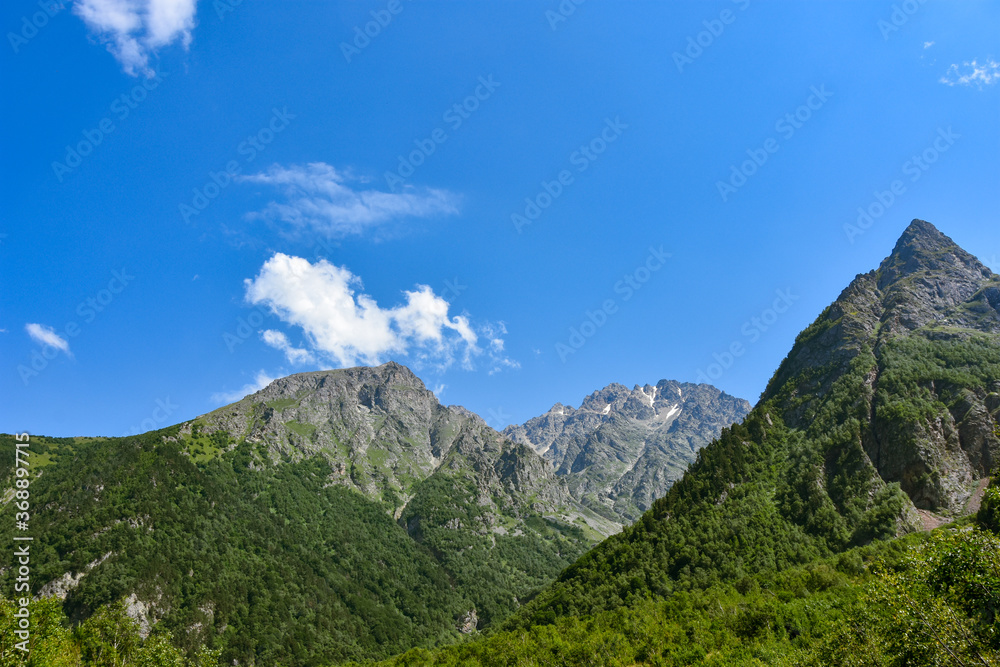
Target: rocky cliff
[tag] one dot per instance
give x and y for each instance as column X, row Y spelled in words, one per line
column 622, row 449
column 920, row 335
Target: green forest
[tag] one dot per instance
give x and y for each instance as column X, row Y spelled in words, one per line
column 927, row 599
column 782, row 544
column 262, row 562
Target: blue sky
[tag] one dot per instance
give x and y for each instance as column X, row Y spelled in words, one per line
column 522, row 201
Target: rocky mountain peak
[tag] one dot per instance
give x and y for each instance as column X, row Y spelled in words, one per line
column 923, row 255
column 926, row 275
column 623, row 448
column 912, row 344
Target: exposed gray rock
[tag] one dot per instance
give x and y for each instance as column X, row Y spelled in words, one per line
column 622, row 449
column 384, row 433
column 928, row 289
column 469, row 622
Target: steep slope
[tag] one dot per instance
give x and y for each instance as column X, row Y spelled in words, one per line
column 331, row 515
column 886, row 403
column 621, row 449
column 923, row 328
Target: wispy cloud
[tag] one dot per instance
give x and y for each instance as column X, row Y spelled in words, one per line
column 279, row 341
column 345, row 326
column 320, row 199
column 261, row 380
column 132, row 30
column 928, row 45
column 493, row 333
column 973, row 73
column 44, row 335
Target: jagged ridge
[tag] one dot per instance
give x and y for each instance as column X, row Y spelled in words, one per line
column 622, row 449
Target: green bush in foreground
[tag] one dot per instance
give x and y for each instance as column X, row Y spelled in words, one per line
column 925, row 600
column 109, row 638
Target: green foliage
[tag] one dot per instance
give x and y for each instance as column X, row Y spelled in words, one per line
column 937, row 606
column 922, row 600
column 989, row 511
column 923, row 376
column 276, row 565
column 271, row 564
column 758, row 499
column 109, row 638
column 494, row 568
column 51, row 643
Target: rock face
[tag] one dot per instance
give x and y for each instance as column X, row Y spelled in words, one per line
column 385, row 434
column 881, row 420
column 622, row 449
column 468, row 623
column 918, row 340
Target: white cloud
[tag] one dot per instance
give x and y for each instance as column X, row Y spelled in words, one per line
column 133, row 29
column 438, row 390
column 973, row 73
column 279, row 341
column 320, row 199
column 261, row 380
column 495, row 348
column 928, row 45
column 346, row 326
column 44, row 335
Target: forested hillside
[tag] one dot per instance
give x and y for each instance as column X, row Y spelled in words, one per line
column 346, row 516
column 883, row 416
column 334, row 515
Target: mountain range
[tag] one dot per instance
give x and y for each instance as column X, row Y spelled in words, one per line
column 409, row 522
column 347, row 515
column 881, row 421
column 622, row 449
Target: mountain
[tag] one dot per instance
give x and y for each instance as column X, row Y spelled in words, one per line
column 923, row 326
column 882, row 420
column 622, row 449
column 332, row 515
